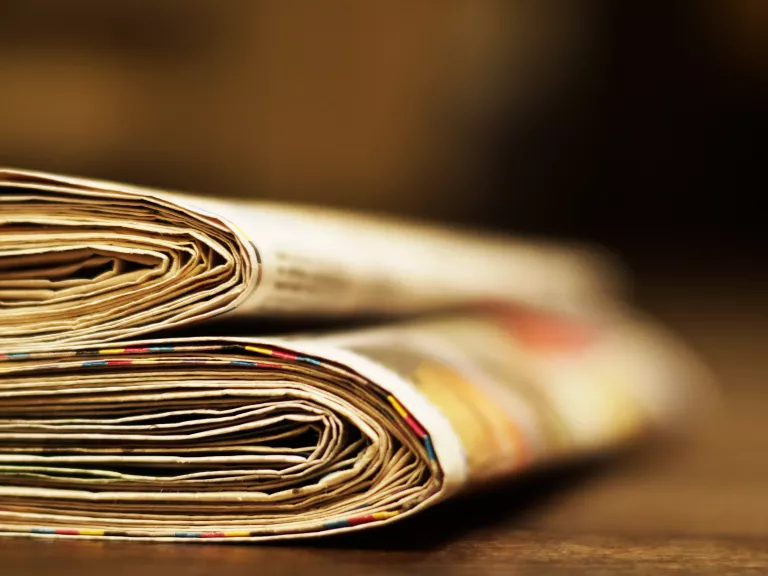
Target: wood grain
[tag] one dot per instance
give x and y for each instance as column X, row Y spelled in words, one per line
column 698, row 506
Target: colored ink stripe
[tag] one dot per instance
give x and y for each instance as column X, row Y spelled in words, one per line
column 415, row 426
column 430, row 449
column 259, row 350
column 111, row 351
column 282, row 355
column 15, row 355
column 336, row 524
column 332, row 524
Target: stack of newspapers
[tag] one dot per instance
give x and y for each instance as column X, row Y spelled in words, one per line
column 489, row 356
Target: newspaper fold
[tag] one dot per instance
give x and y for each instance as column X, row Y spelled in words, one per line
column 84, row 261
column 210, row 439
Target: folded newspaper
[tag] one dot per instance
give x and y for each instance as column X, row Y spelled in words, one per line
column 85, row 261
column 254, row 438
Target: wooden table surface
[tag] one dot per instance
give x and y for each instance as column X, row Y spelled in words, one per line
column 699, row 507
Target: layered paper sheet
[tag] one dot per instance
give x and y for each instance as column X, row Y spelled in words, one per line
column 84, row 261
column 218, row 438
column 211, row 439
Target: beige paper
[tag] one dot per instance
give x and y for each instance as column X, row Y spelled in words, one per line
column 211, row 439
column 85, row 261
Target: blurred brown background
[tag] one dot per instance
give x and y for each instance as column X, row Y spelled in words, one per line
column 636, row 124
